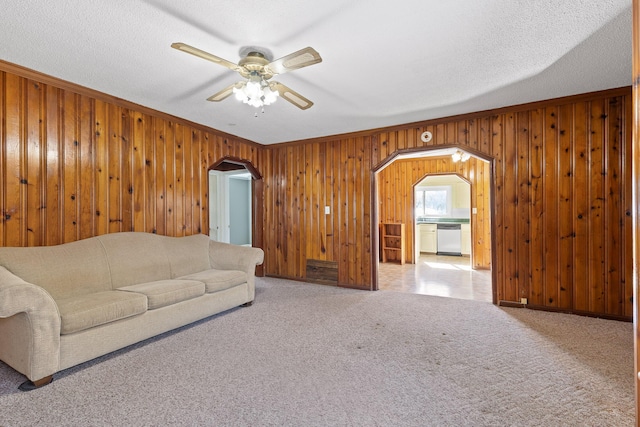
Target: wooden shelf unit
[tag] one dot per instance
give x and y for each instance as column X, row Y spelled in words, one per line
column 392, row 237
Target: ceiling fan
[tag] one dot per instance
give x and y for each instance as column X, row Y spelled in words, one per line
column 257, row 90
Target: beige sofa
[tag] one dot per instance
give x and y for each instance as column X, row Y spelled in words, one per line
column 64, row 305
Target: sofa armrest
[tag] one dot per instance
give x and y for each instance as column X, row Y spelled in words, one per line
column 225, row 256
column 29, row 327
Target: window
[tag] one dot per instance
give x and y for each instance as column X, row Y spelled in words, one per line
column 433, row 201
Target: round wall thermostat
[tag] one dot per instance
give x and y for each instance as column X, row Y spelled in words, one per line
column 426, row 136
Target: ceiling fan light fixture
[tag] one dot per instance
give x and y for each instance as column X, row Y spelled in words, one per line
column 255, row 92
column 257, row 69
column 460, row 156
column 270, row 96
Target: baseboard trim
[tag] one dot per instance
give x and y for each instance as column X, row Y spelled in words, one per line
column 514, row 304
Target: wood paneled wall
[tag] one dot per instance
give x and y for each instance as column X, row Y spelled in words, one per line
column 396, row 201
column 562, row 222
column 300, row 181
column 75, row 164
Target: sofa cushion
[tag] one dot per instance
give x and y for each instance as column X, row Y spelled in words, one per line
column 166, row 292
column 186, row 255
column 135, row 258
column 65, row 271
column 218, row 280
column 86, row 311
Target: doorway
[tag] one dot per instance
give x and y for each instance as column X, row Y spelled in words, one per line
column 442, row 221
column 230, row 219
column 236, row 216
column 404, row 170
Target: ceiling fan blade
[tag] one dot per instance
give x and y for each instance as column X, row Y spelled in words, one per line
column 205, row 55
column 292, row 96
column 223, row 94
column 302, row 58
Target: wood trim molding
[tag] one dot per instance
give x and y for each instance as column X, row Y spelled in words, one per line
column 621, row 91
column 240, row 162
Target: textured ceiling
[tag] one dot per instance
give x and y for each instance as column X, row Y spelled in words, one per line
column 384, row 63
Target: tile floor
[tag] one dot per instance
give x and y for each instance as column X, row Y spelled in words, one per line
column 445, row 276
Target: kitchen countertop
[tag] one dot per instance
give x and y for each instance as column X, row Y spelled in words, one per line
column 443, row 220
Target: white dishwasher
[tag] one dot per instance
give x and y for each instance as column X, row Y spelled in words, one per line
column 449, row 239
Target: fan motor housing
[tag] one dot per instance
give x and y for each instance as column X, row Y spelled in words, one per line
column 254, row 63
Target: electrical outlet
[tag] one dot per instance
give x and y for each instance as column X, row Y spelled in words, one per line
column 327, row 210
column 523, row 301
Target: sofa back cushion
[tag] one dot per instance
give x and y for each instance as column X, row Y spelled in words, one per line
column 188, row 254
column 67, row 270
column 135, row 258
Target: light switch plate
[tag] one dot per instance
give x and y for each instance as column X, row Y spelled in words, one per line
column 327, row 210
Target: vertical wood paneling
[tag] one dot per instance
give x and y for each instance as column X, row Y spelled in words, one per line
column 12, row 211
column 581, row 206
column 565, row 208
column 101, row 168
column 510, row 211
column 560, row 227
column 55, row 187
column 186, row 149
column 75, row 165
column 138, row 184
column 86, row 167
column 536, row 207
column 615, row 210
column 113, row 168
column 497, row 138
column 597, row 256
column 127, row 172
column 32, row 172
column 523, row 203
column 551, row 209
column 628, row 194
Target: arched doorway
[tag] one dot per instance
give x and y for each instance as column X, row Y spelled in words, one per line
column 442, row 160
column 235, row 166
column 442, row 198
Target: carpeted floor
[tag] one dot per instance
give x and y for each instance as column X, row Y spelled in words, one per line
column 309, row 355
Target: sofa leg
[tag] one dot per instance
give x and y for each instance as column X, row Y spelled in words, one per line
column 29, row 385
column 247, row 304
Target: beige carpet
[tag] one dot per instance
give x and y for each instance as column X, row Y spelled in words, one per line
column 309, row 355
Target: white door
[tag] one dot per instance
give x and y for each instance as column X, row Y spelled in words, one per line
column 230, row 207
column 218, row 207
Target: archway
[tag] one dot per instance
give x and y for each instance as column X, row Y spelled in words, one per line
column 451, row 195
column 421, row 154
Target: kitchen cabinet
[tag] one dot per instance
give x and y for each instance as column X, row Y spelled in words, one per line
column 465, row 247
column 428, row 238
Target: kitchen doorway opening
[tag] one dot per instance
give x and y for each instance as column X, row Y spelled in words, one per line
column 434, row 194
